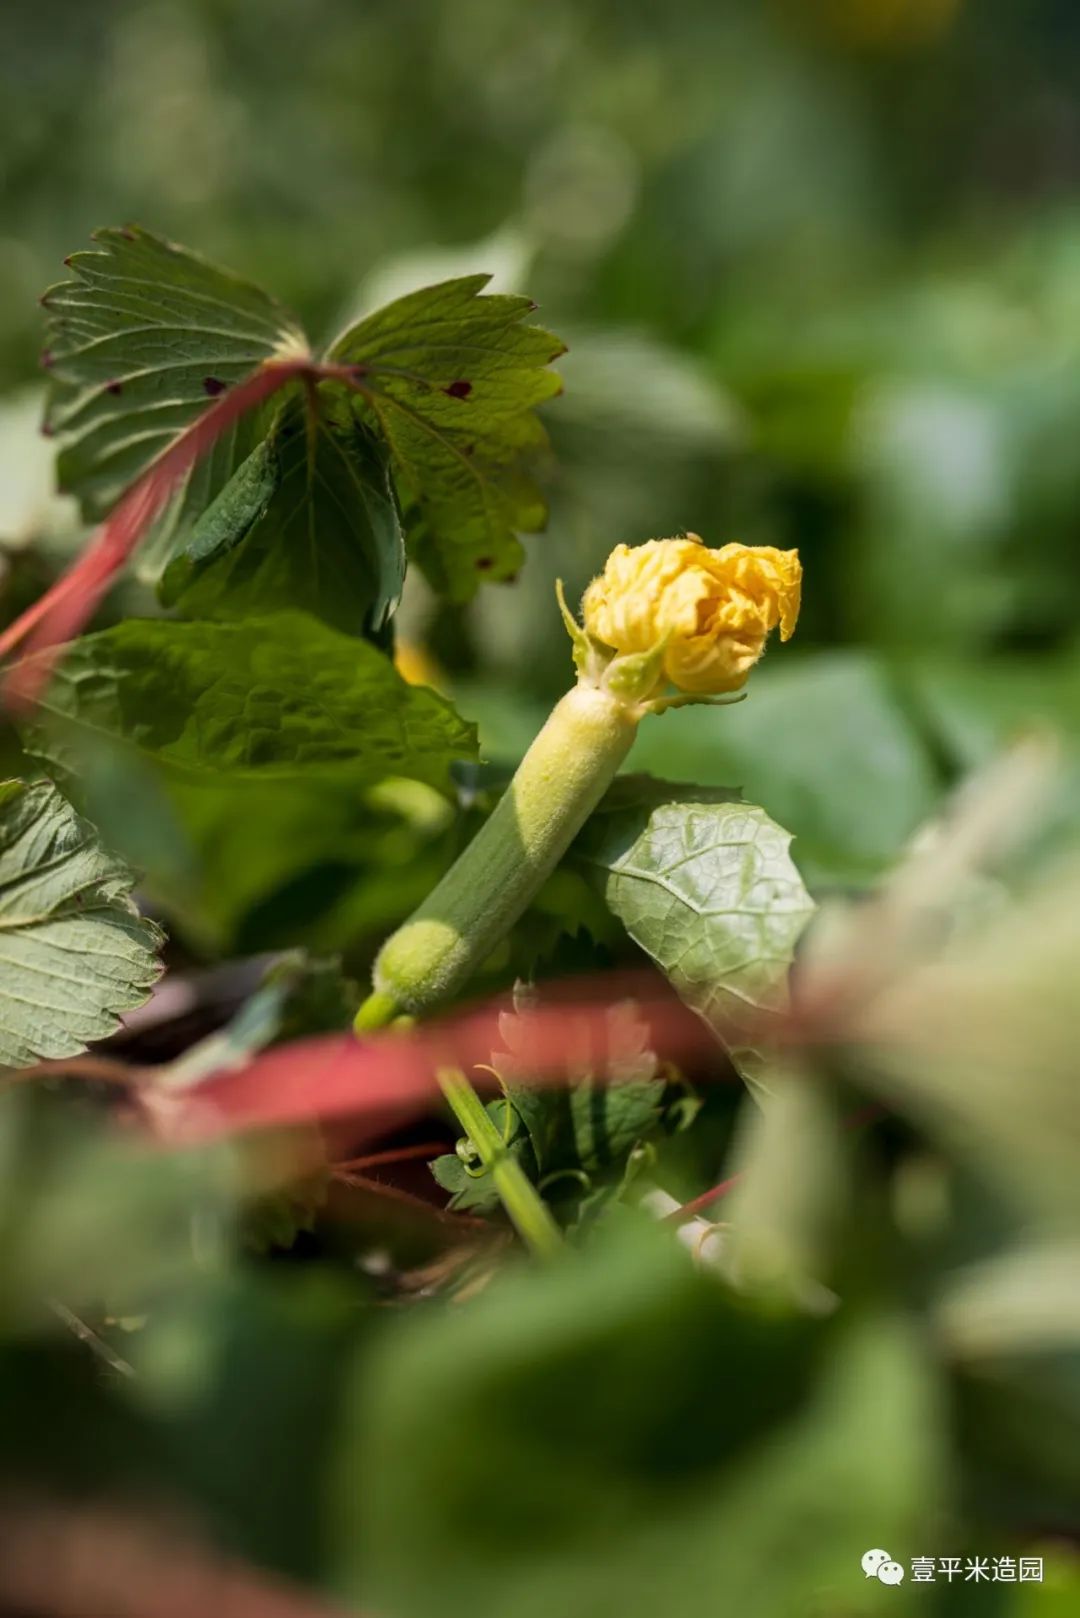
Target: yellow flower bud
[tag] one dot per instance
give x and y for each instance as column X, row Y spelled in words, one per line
column 712, row 610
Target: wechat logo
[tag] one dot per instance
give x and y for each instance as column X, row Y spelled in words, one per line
column 880, row 1565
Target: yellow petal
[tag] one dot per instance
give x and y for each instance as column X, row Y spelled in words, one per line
column 711, row 609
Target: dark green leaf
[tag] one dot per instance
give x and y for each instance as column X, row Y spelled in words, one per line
column 569, row 1135
column 137, row 344
column 74, row 951
column 87, row 1215
column 601, row 1117
column 637, row 1436
column 227, row 520
column 269, row 700
column 451, row 378
column 302, row 860
column 471, row 1192
column 309, row 520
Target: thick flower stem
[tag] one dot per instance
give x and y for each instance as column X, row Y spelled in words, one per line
column 559, row 782
column 519, row 1196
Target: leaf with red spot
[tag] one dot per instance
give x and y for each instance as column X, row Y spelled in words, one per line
column 163, row 369
column 450, row 378
column 139, row 342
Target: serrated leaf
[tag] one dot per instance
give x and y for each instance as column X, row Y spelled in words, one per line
column 571, row 1134
column 309, row 520
column 602, row 1115
column 275, row 699
column 451, row 378
column 708, row 888
column 74, row 951
column 138, row 342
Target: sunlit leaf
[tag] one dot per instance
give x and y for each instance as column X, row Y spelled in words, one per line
column 450, row 378
column 138, row 342
column 266, row 699
column 708, row 888
column 74, row 951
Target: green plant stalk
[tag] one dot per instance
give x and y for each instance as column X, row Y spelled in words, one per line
column 558, row 784
column 526, row 1208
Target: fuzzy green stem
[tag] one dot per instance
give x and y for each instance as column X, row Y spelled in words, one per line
column 558, row 784
column 377, row 1011
column 519, row 1196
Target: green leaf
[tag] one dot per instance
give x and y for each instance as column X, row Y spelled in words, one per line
column 244, row 864
column 638, row 1435
column 571, row 1134
column 280, row 698
column 594, row 1123
column 451, row 379
column 471, row 1192
column 227, row 520
column 309, row 520
column 137, row 344
column 87, row 1213
column 708, row 888
column 303, row 860
column 74, row 951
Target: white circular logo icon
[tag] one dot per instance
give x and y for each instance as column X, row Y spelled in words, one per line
column 873, row 1561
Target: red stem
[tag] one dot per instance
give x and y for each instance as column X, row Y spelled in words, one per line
column 399, row 1154
column 64, row 608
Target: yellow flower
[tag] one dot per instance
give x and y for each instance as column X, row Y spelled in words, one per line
column 416, row 665
column 714, row 609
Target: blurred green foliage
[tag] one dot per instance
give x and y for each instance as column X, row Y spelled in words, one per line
column 818, row 262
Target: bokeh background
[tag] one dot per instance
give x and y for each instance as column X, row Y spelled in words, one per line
column 818, row 263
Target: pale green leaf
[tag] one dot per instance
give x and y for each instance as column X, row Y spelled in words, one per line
column 708, row 888
column 269, row 700
column 451, row 378
column 138, row 343
column 74, row 951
